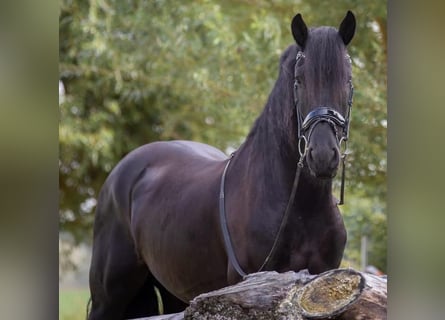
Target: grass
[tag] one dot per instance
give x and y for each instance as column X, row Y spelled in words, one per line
column 73, row 304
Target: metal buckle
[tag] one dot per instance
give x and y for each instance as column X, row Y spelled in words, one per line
column 302, row 150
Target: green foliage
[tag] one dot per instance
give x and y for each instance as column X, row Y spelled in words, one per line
column 140, row 71
column 365, row 217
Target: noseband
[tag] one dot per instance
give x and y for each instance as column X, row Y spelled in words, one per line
column 305, row 129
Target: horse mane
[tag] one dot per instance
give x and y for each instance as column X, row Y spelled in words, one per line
column 325, row 63
column 271, row 129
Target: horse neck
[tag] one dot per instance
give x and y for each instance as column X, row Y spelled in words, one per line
column 313, row 194
column 270, row 148
column 267, row 160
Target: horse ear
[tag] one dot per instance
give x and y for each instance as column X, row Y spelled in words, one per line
column 299, row 30
column 347, row 28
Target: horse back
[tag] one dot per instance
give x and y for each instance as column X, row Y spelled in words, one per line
column 157, row 156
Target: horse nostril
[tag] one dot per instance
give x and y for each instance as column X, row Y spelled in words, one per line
column 335, row 157
column 310, row 154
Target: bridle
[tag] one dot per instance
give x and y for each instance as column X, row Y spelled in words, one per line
column 305, row 129
column 319, row 115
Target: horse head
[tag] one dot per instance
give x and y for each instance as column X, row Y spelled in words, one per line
column 322, row 92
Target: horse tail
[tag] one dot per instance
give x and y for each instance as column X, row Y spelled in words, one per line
column 88, row 308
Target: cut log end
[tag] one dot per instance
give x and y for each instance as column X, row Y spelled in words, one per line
column 342, row 294
column 330, row 293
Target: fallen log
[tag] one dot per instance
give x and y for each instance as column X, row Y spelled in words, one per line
column 342, row 294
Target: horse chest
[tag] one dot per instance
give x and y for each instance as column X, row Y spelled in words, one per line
column 316, row 245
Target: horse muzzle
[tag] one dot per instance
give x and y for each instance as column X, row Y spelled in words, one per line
column 323, row 161
column 319, row 132
column 323, row 153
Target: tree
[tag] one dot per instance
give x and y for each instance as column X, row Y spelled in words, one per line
column 140, row 71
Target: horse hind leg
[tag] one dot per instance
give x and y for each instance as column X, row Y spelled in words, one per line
column 121, row 285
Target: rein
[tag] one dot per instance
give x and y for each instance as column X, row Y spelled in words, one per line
column 223, row 222
column 318, row 115
column 225, row 230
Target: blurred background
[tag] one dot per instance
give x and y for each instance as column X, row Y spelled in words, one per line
column 133, row 72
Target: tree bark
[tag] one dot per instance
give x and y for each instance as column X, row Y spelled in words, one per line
column 343, row 294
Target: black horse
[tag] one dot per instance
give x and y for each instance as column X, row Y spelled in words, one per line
column 167, row 216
